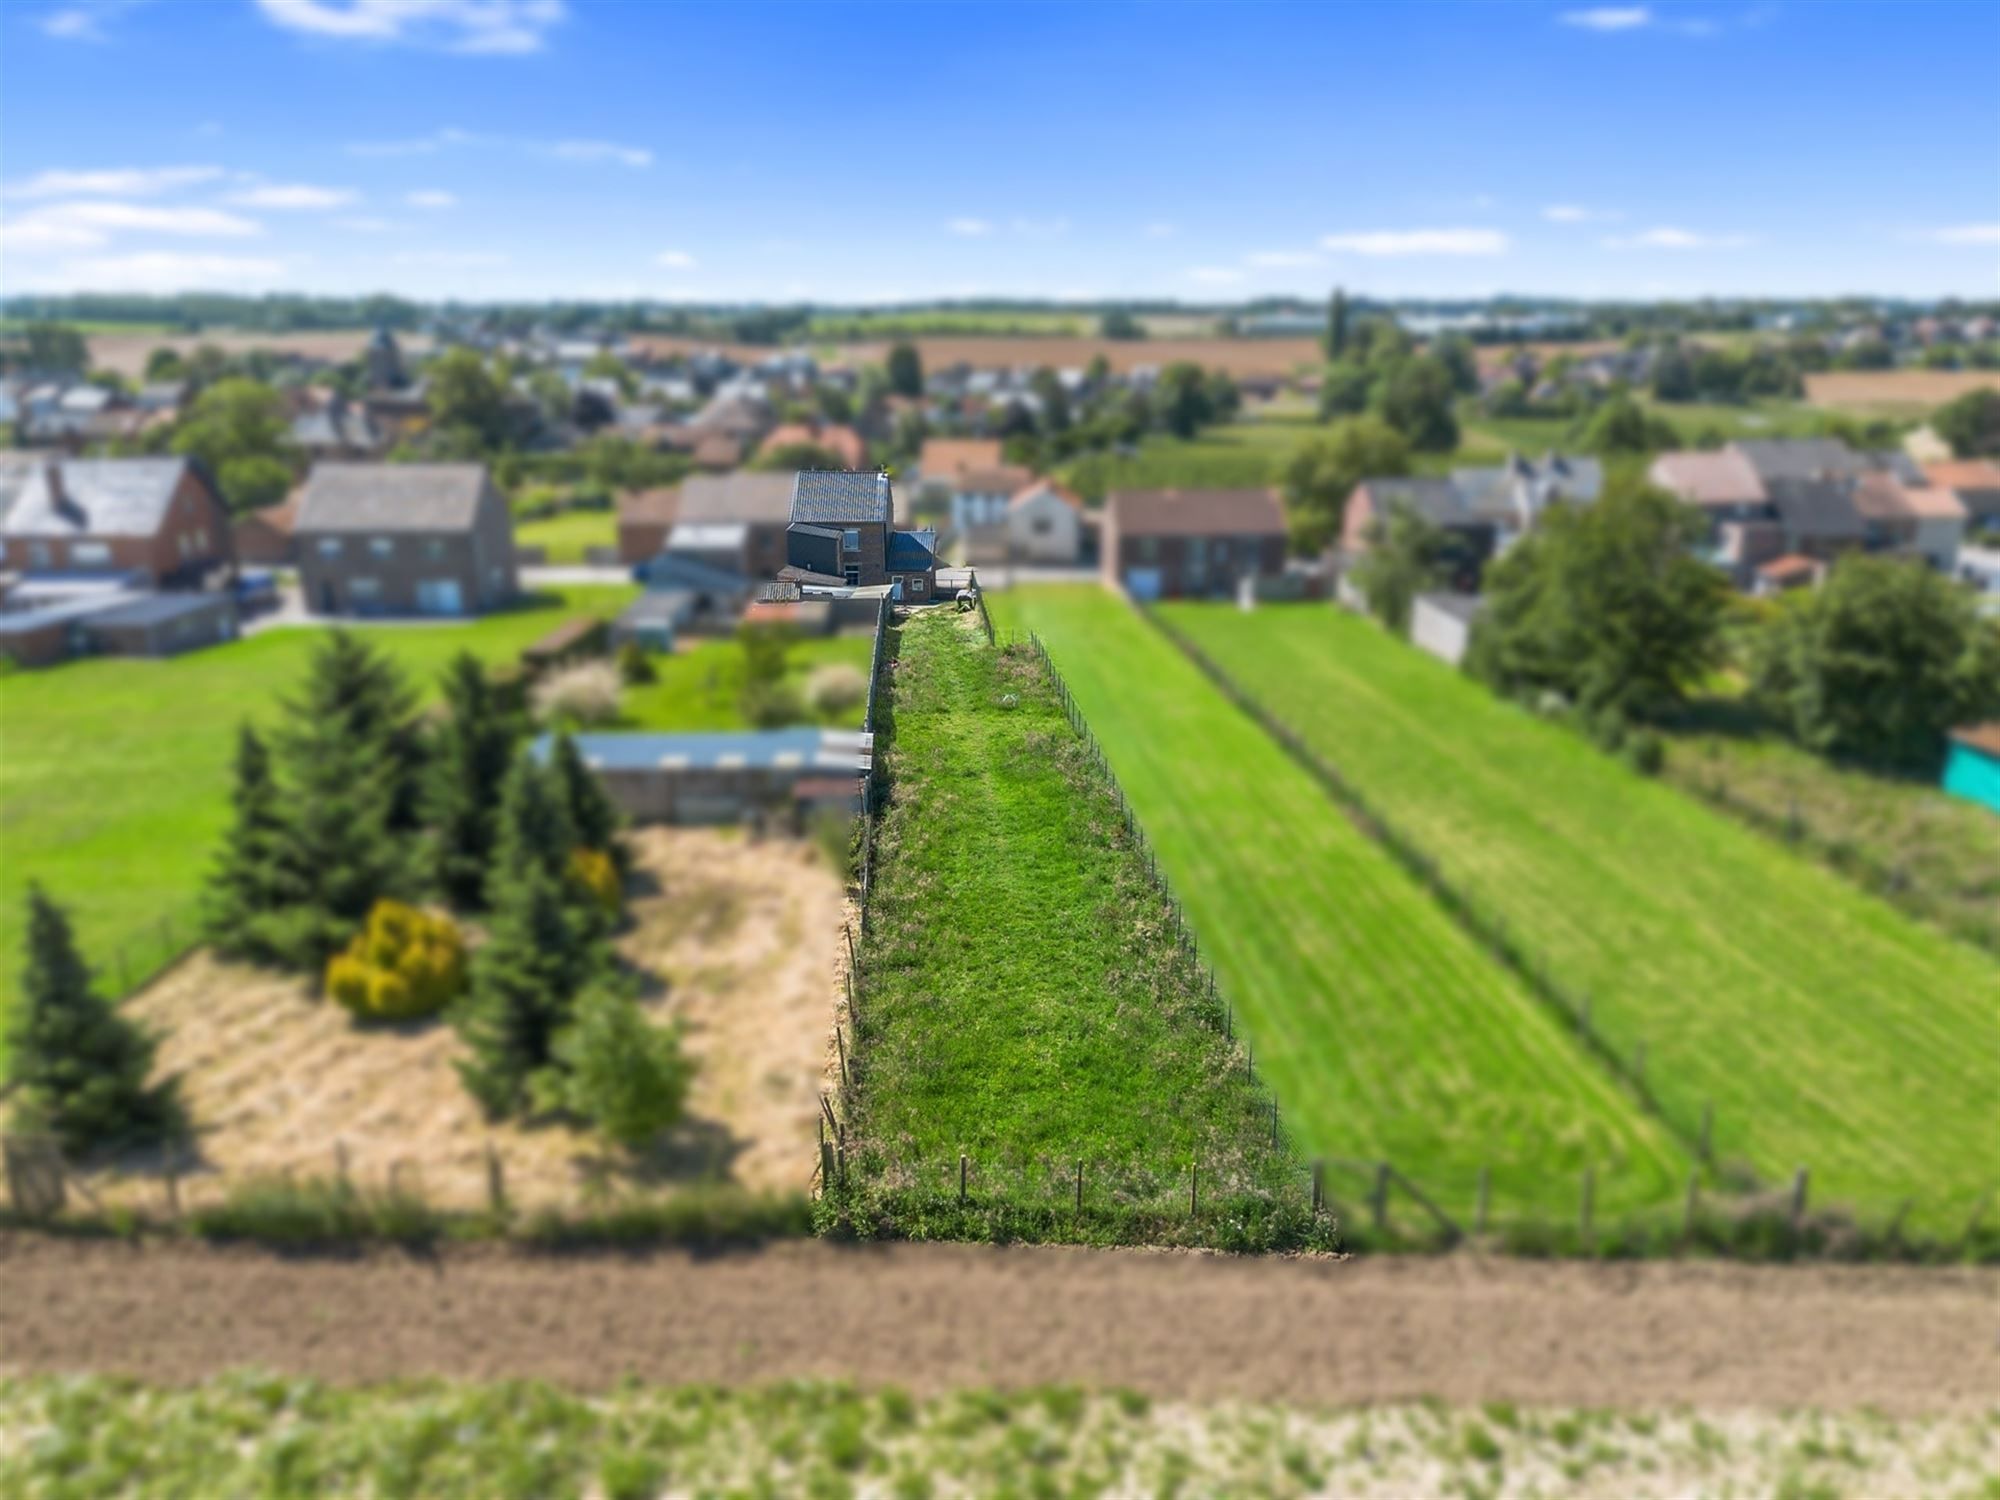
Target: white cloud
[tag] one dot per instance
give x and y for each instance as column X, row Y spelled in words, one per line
column 422, row 145
column 113, row 182
column 1040, row 229
column 1161, row 231
column 1278, row 260
column 1574, row 213
column 431, row 198
column 969, row 228
column 294, row 195
column 163, row 271
column 1960, row 234
column 1610, row 18
column 364, row 224
column 89, row 222
column 73, row 25
column 625, row 156
column 676, row 260
column 1666, row 237
column 1215, row 275
column 1402, row 242
column 491, row 27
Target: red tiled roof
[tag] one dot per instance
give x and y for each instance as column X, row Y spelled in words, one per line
column 843, row 442
column 1791, row 565
column 1196, row 512
column 1965, row 474
column 650, row 507
column 942, row 456
column 1724, row 477
column 1029, row 491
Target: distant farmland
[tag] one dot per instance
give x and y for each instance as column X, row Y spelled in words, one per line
column 1896, row 390
column 1385, row 1032
column 1829, row 1030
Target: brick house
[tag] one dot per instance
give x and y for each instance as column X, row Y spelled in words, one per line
column 1171, row 544
column 404, row 539
column 843, row 533
column 160, row 518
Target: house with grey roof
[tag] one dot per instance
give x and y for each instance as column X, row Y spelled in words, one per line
column 842, row 533
column 158, row 519
column 404, row 539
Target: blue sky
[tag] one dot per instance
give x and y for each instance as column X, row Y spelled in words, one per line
column 585, row 148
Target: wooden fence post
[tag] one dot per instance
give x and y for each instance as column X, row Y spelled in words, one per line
column 1274, row 1122
column 1479, row 1205
column 961, row 1179
column 1798, row 1196
column 1378, row 1200
column 1319, row 1184
column 1693, row 1203
column 1194, row 1189
column 1079, row 1190
column 173, row 1185
column 1586, row 1205
column 496, row 1181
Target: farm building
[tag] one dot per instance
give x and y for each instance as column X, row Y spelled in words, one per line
column 1972, row 770
column 723, row 777
column 42, row 623
column 1174, row 544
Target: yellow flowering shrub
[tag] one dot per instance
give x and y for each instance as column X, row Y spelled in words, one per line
column 405, row 963
column 594, row 871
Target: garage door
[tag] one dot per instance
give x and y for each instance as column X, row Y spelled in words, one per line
column 1143, row 584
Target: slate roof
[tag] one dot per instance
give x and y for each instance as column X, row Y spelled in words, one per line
column 1799, row 458
column 912, row 551
column 1196, row 512
column 95, row 497
column 841, row 497
column 1436, row 500
column 391, row 497
column 1818, row 508
column 752, row 496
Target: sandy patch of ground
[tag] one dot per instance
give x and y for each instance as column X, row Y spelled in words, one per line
column 736, row 940
column 930, row 1318
column 127, row 352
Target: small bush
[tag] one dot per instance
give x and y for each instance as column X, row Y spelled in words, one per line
column 405, row 963
column 635, row 665
column 587, row 693
column 836, row 687
column 596, row 873
column 1646, row 752
column 613, row 1068
column 772, row 705
column 319, row 1211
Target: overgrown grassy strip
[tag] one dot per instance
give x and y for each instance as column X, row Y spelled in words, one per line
column 1827, row 1029
column 1383, row 1029
column 270, row 1435
column 1024, row 999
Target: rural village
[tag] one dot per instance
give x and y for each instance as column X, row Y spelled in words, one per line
column 1322, row 893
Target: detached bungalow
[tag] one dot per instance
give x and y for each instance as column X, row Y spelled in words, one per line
column 404, row 539
column 1172, row 544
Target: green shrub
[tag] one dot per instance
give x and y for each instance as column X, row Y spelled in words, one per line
column 626, row 1076
column 635, row 665
column 317, row 1211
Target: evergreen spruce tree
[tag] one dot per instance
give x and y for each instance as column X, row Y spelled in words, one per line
column 80, row 1066
column 468, row 766
column 592, row 815
column 1336, row 325
column 365, row 688
column 339, row 850
column 542, row 949
column 249, row 885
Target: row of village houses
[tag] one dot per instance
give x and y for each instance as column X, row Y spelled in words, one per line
column 140, row 554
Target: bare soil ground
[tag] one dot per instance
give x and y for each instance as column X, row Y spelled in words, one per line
column 737, row 941
column 127, row 352
column 1903, row 389
column 936, row 1317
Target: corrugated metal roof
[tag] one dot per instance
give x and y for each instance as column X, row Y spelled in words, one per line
column 391, row 497
column 153, row 609
column 821, row 750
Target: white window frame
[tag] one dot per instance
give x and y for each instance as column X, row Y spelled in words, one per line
column 850, row 541
column 329, row 546
column 90, row 554
column 382, row 546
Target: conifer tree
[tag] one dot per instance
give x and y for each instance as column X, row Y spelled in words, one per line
column 80, row 1066
column 343, row 780
column 248, row 884
column 592, row 815
column 468, row 766
column 364, row 687
column 541, row 950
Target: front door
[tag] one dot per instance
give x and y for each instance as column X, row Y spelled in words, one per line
column 1143, row 584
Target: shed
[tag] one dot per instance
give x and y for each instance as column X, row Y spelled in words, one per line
column 163, row 624
column 721, row 777
column 1972, row 769
column 1441, row 623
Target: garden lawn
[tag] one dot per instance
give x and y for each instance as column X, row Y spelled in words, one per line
column 1386, row 1033
column 566, row 534
column 700, row 688
column 114, row 771
column 1828, row 1030
column 1024, row 998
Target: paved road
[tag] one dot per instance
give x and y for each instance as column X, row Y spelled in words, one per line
column 1906, row 1340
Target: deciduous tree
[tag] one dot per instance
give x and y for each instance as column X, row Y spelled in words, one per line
column 1323, row 471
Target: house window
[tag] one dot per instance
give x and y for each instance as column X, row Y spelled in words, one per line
column 38, row 554
column 1042, row 526
column 434, row 550
column 382, row 546
column 365, row 590
column 89, row 555
column 329, row 546
column 1149, row 549
column 854, row 578
column 850, row 541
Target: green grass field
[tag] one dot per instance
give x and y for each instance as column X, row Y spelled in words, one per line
column 1828, row 1030
column 700, row 688
column 1384, row 1031
column 114, row 772
column 1024, row 1000
column 567, row 534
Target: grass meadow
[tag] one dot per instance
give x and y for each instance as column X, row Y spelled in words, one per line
column 1385, row 1032
column 701, row 686
column 114, row 771
column 566, row 535
column 1827, row 1029
column 1024, row 998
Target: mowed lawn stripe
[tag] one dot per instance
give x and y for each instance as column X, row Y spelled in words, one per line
column 1829, row 1030
column 1385, row 1032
